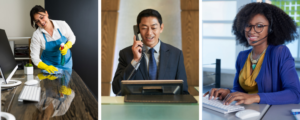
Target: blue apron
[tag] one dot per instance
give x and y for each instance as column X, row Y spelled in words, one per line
column 52, row 56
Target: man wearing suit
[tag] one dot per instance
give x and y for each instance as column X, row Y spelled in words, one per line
column 161, row 61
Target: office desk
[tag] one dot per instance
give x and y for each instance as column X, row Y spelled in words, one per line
column 208, row 114
column 55, row 103
column 281, row 112
column 114, row 108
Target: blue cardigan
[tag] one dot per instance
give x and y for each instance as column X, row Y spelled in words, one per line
column 277, row 81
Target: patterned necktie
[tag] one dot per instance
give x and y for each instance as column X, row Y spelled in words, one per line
column 152, row 65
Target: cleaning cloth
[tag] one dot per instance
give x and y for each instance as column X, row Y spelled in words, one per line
column 59, row 71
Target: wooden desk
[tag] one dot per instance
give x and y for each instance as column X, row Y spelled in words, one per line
column 82, row 106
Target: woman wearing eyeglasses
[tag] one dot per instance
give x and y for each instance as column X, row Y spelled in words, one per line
column 49, row 35
column 266, row 73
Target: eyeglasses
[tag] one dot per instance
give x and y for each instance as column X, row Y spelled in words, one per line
column 257, row 28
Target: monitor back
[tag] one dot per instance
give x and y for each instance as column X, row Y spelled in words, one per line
column 151, row 87
column 7, row 60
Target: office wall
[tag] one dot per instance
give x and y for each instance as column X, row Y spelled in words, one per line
column 217, row 40
column 109, row 20
column 15, row 19
column 128, row 11
column 82, row 17
column 190, row 41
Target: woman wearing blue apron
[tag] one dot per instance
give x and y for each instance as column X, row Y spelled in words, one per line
column 49, row 35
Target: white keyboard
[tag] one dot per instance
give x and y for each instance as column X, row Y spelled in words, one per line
column 30, row 93
column 217, row 105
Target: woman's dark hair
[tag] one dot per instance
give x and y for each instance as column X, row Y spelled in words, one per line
column 148, row 13
column 282, row 27
column 36, row 9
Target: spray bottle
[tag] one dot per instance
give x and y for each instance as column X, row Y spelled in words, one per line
column 62, row 62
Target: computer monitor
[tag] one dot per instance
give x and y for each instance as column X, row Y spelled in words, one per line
column 8, row 65
column 151, row 87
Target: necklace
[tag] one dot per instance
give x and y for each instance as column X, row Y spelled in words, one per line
column 254, row 62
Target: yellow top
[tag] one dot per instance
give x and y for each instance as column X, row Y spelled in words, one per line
column 246, row 80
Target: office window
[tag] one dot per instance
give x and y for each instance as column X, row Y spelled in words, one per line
column 217, row 29
column 223, row 49
column 218, row 10
column 217, row 40
column 292, row 8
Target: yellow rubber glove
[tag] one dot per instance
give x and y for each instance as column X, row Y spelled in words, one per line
column 67, row 46
column 49, row 69
column 51, row 77
column 41, row 76
column 64, row 90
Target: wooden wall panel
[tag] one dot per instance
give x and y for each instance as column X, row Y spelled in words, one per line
column 110, row 5
column 190, row 42
column 108, row 41
column 190, row 45
column 105, row 88
column 189, row 4
column 109, row 22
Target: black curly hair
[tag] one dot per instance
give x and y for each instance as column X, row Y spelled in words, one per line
column 282, row 27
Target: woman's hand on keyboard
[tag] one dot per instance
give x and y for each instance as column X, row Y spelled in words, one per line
column 241, row 98
column 217, row 92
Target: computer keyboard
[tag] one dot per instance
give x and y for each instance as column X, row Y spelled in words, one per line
column 30, row 93
column 218, row 106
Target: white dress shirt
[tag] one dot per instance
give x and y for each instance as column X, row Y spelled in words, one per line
column 38, row 40
column 147, row 56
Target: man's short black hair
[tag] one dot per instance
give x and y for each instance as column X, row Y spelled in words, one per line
column 148, row 13
column 283, row 27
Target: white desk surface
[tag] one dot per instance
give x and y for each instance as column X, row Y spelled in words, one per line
column 281, row 112
column 208, row 114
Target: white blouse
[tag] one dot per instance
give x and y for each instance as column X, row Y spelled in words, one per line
column 38, row 40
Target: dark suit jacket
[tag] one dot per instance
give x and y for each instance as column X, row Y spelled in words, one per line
column 170, row 66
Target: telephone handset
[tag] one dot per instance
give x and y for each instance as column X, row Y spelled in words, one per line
column 136, row 31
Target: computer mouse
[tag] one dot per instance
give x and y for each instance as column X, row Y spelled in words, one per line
column 31, row 82
column 248, row 113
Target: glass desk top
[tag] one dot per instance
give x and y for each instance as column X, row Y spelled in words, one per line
column 63, row 96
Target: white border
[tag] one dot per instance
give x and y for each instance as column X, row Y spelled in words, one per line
column 99, row 60
column 200, row 61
